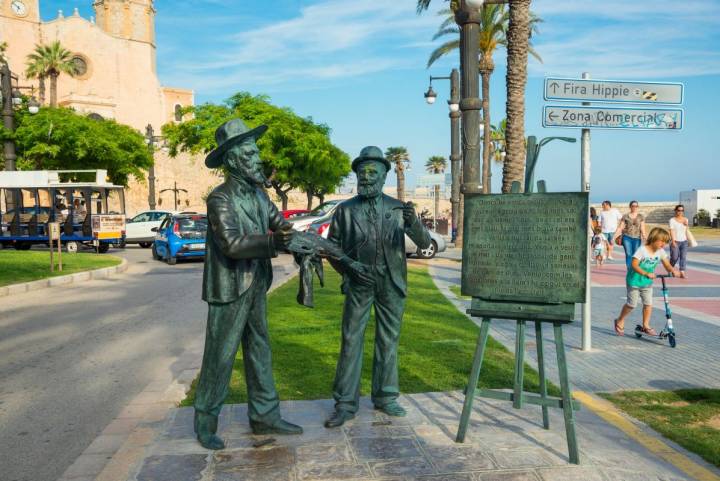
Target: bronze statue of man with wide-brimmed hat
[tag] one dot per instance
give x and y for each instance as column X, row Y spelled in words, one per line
column 245, row 231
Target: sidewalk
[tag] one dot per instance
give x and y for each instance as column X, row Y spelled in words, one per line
column 617, row 363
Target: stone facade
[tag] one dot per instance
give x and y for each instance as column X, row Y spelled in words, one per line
column 118, row 80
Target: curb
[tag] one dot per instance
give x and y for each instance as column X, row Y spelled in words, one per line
column 656, row 444
column 102, row 273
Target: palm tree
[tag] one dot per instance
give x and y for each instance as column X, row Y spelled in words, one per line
column 401, row 159
column 53, row 60
column 436, row 165
column 36, row 69
column 497, row 137
column 493, row 28
column 3, row 48
column 518, row 39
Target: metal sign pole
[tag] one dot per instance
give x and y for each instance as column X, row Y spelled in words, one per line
column 585, row 187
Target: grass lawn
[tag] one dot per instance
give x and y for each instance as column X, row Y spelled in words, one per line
column 690, row 417
column 705, row 232
column 436, row 344
column 24, row 266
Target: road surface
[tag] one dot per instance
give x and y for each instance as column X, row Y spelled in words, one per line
column 71, row 358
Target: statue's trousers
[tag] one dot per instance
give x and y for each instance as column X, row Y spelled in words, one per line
column 227, row 325
column 389, row 306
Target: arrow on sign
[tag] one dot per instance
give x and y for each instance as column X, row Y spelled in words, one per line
column 552, row 115
column 554, row 86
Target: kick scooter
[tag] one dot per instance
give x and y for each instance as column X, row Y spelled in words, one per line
column 668, row 331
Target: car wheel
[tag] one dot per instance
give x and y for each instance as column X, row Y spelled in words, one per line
column 154, row 253
column 72, row 247
column 171, row 260
column 23, row 246
column 103, row 248
column 428, row 253
column 145, row 245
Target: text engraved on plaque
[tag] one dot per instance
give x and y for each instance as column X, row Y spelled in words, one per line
column 526, row 247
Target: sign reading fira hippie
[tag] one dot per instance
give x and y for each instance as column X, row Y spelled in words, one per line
column 613, row 91
column 612, row 118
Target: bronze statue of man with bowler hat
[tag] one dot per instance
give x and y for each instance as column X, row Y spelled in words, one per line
column 370, row 229
column 245, row 231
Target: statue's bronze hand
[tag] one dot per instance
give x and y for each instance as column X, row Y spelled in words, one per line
column 360, row 273
column 409, row 214
column 281, row 238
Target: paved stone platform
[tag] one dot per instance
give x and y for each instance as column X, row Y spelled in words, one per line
column 502, row 444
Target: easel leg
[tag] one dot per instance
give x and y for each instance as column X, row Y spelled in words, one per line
column 541, row 371
column 519, row 364
column 472, row 382
column 566, row 397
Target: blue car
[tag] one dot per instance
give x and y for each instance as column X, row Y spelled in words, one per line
column 180, row 236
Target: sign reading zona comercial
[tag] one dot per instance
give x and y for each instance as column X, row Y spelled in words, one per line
column 613, row 91
column 612, row 118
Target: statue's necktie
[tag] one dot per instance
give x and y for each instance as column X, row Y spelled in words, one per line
column 371, row 210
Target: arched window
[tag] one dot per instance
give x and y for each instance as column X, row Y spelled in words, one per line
column 178, row 113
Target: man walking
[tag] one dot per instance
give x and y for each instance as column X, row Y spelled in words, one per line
column 609, row 220
column 237, row 277
column 370, row 228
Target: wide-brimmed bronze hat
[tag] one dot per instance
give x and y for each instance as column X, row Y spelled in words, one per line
column 229, row 134
column 370, row 153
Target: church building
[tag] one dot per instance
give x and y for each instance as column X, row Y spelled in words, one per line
column 116, row 58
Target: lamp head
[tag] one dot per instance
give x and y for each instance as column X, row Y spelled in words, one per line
column 453, row 106
column 16, row 97
column 33, row 106
column 430, row 95
column 475, row 4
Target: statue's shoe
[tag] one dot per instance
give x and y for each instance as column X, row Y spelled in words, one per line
column 210, row 441
column 392, row 409
column 338, row 418
column 280, row 427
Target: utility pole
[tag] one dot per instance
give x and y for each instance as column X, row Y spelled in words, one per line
column 455, row 158
column 585, row 187
column 150, row 140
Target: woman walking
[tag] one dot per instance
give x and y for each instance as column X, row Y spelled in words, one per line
column 679, row 239
column 632, row 229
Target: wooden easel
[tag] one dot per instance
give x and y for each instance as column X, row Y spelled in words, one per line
column 53, row 231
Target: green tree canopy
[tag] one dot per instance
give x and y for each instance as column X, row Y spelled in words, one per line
column 297, row 151
column 60, row 138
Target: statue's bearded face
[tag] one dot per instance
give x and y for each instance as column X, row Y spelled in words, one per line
column 243, row 160
column 371, row 178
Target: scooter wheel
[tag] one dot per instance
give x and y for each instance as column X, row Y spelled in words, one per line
column 671, row 339
column 638, row 332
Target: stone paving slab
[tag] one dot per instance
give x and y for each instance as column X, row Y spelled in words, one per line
column 502, row 444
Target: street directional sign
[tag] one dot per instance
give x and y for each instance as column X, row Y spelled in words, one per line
column 613, row 91
column 612, row 118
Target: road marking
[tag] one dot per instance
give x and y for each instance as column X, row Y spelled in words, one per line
column 607, row 411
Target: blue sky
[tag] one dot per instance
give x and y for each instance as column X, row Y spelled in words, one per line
column 360, row 67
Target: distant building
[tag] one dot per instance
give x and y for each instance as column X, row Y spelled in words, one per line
column 694, row 200
column 115, row 53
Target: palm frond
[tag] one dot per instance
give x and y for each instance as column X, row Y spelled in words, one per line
column 443, row 49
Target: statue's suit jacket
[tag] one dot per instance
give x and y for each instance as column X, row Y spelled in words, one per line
column 349, row 230
column 238, row 244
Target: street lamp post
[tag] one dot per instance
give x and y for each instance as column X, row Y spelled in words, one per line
column 455, row 157
column 175, row 191
column 533, row 152
column 150, row 139
column 10, row 98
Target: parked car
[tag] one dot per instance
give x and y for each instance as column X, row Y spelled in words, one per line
column 139, row 229
column 292, row 213
column 322, row 212
column 180, row 236
column 438, row 243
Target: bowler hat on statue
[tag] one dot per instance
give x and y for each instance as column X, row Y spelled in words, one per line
column 231, row 133
column 371, row 153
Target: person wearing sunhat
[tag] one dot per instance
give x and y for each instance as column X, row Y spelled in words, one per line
column 245, row 231
column 370, row 228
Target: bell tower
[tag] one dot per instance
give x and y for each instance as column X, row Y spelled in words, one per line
column 21, row 10
column 129, row 19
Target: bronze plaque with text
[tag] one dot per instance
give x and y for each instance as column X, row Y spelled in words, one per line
column 526, row 247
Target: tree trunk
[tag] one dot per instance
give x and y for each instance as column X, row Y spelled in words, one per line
column 518, row 36
column 486, row 172
column 321, row 198
column 437, row 204
column 53, row 89
column 282, row 194
column 41, row 88
column 310, row 196
column 400, row 170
